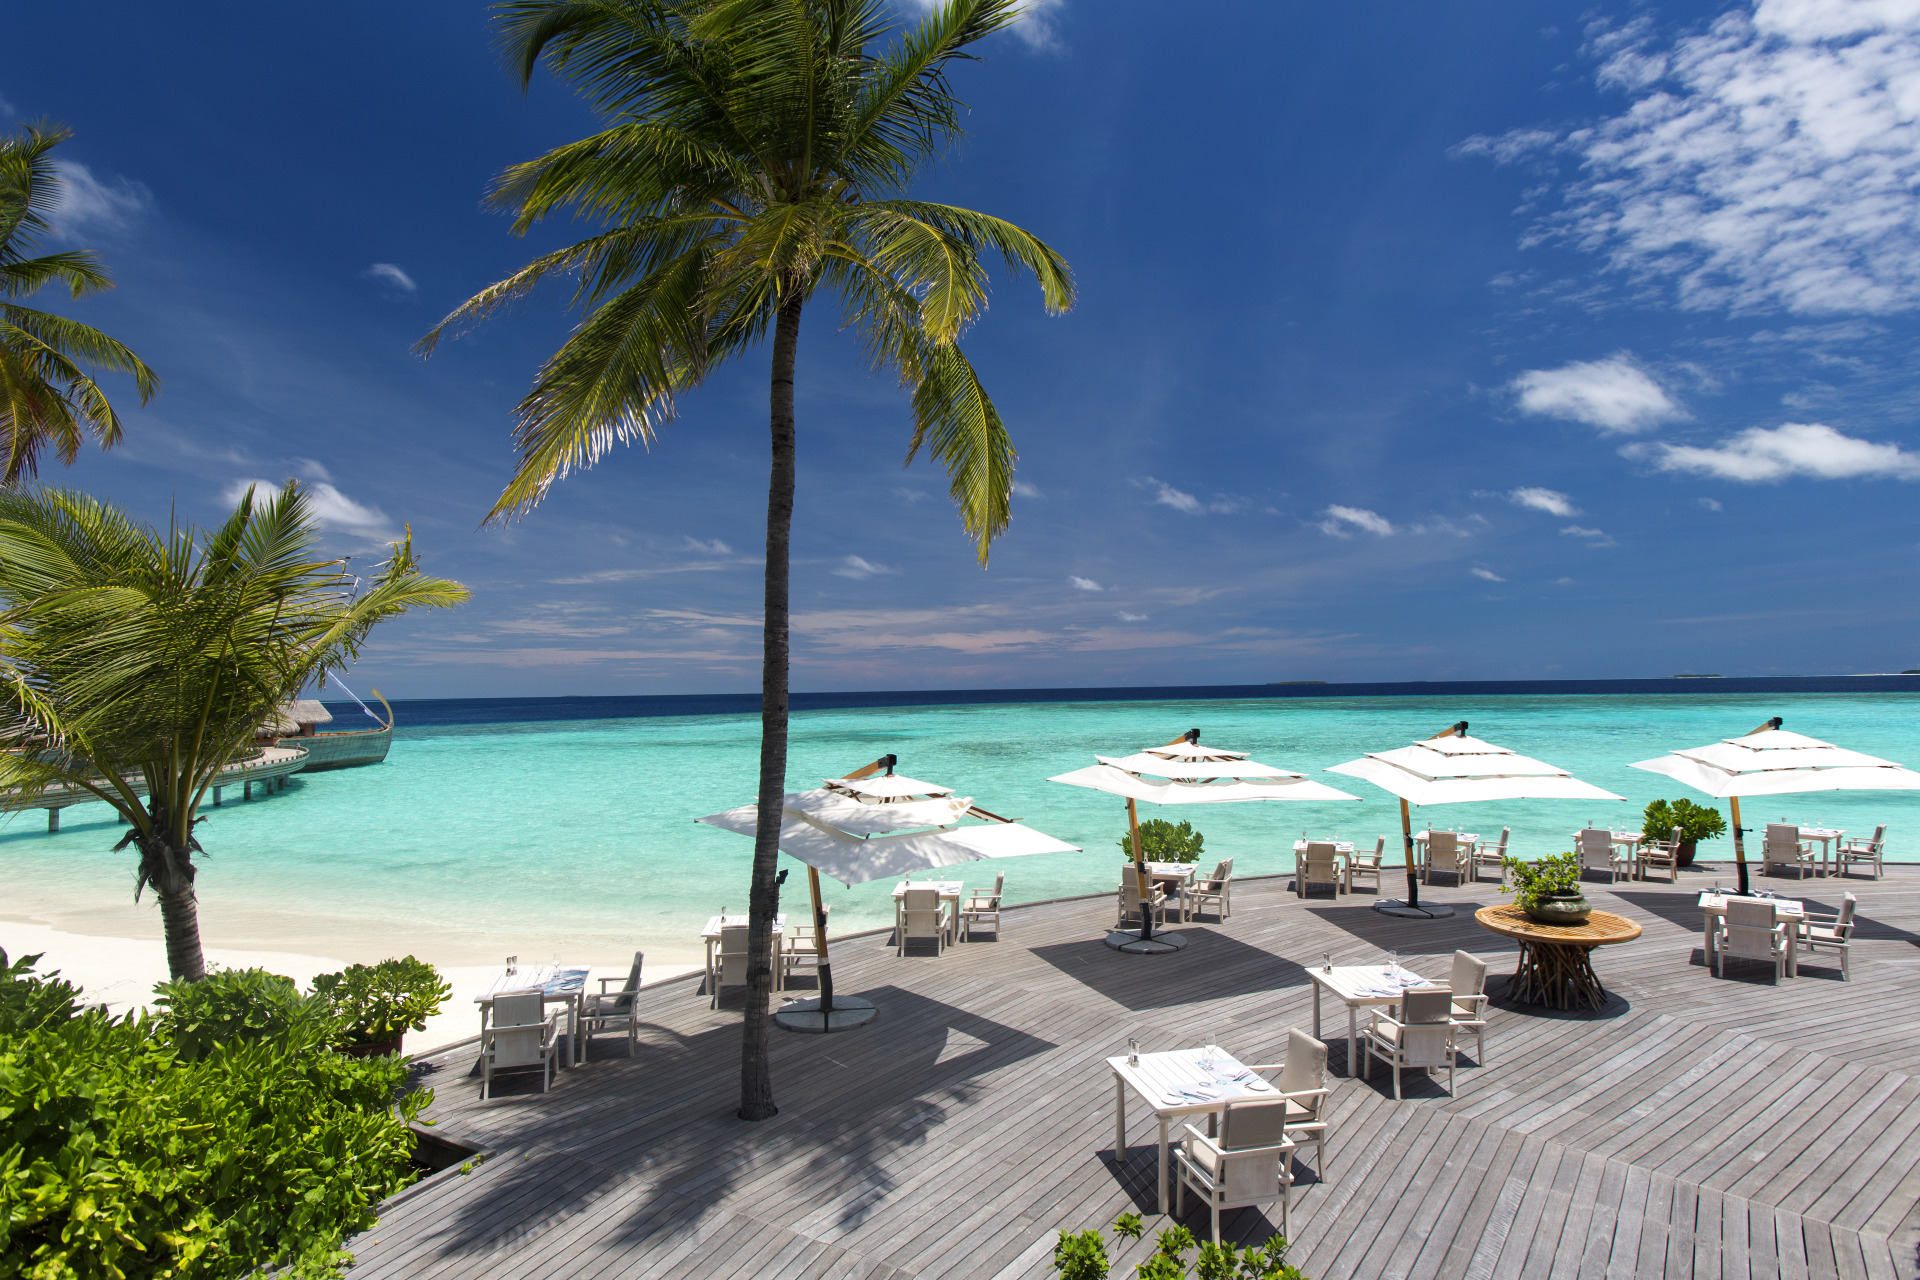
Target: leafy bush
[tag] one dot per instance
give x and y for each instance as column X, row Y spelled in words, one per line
column 1161, row 841
column 232, row 1006
column 1697, row 822
column 1083, row 1256
column 1533, row 881
column 122, row 1156
column 374, row 1003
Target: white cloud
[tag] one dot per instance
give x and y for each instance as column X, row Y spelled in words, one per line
column 1124, row 616
column 1341, row 521
column 1769, row 160
column 1711, row 504
column 1084, row 584
column 1035, row 25
column 1793, row 449
column 1487, row 574
column 1563, row 582
column 1615, row 394
column 856, row 568
column 1021, row 489
column 332, row 510
column 84, row 203
column 387, row 273
column 1168, row 496
column 1594, row 537
column 710, row 546
column 1551, row 501
column 910, row 496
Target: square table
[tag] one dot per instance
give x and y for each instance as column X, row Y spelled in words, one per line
column 1786, row 911
column 1178, row 874
column 1175, row 1084
column 563, row 985
column 1827, row 836
column 1360, row 986
column 711, row 934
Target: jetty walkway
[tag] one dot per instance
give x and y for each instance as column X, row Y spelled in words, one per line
column 1695, row 1126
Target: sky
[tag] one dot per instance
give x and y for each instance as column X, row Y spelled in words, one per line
column 1412, row 341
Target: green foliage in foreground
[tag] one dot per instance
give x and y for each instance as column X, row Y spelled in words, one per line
column 1697, row 822
column 1083, row 1256
column 1533, row 881
column 122, row 1155
column 1162, row 841
column 374, row 1003
column 233, row 1006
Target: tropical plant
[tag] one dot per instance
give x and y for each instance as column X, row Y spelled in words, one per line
column 126, row 1157
column 1697, row 822
column 233, row 1006
column 1162, row 841
column 47, row 398
column 134, row 661
column 1082, row 1255
column 755, row 152
column 1534, row 882
column 374, row 1004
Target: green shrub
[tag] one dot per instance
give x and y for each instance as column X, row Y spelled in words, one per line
column 375, row 1003
column 1533, row 881
column 1083, row 1256
column 1162, row 841
column 122, row 1156
column 232, row 1006
column 1697, row 822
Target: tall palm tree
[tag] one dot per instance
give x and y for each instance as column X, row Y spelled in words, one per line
column 134, row 659
column 755, row 152
column 47, row 398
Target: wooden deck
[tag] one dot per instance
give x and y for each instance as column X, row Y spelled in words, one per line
column 1694, row 1127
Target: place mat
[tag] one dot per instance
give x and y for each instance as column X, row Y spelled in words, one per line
column 1227, row 1080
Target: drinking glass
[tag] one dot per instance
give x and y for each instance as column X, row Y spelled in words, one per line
column 1393, row 962
column 1133, row 1052
column 1208, row 1054
column 513, row 965
column 1326, row 962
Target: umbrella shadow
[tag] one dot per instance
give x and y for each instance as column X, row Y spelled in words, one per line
column 1216, row 964
column 1443, row 936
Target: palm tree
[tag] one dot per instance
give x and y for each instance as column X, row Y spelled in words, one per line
column 135, row 659
column 47, row 399
column 756, row 151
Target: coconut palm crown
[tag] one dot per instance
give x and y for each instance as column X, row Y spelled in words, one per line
column 48, row 400
column 756, row 152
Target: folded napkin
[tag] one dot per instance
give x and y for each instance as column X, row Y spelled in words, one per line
column 1193, row 1093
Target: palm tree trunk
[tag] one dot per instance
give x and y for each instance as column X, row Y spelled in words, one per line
column 180, row 917
column 756, row 1079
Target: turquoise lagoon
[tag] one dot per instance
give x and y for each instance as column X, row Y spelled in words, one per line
column 576, row 837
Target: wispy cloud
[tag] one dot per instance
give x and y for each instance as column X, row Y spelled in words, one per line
column 83, row 204
column 1037, row 24
column 1124, row 616
column 1487, row 574
column 1771, row 160
column 388, row 274
column 1021, row 489
column 857, row 568
column 1793, row 449
column 1594, row 537
column 1615, row 395
column 1168, row 496
column 1083, row 584
column 710, row 546
column 1342, row 521
column 332, row 510
column 1551, row 501
column 1711, row 504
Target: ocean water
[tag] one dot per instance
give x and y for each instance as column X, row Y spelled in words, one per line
column 574, row 836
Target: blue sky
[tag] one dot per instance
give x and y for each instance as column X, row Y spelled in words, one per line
column 1413, row 342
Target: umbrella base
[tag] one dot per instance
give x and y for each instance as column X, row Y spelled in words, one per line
column 1394, row 907
column 804, row 1015
column 1159, row 945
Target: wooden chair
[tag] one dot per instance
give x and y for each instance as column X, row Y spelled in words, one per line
column 1857, row 850
column 730, row 964
column 613, row 1010
column 1834, row 932
column 1250, row 1163
column 921, row 917
column 1443, row 856
column 1303, row 1086
column 1495, row 856
column 1597, row 854
column 983, row 906
column 1363, row 862
column 1469, row 1011
column 1783, row 847
column 1661, row 853
column 1320, row 864
column 801, row 948
column 1749, row 932
column 515, row 1033
column 1217, row 890
column 1130, row 901
column 1422, row 1037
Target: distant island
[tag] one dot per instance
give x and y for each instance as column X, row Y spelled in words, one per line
column 1696, row 675
column 1271, row 683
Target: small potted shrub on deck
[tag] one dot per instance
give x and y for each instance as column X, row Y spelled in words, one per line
column 1162, row 841
column 1549, row 890
column 374, row 1006
column 1696, row 822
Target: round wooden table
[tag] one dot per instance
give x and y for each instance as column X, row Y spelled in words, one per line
column 1556, row 967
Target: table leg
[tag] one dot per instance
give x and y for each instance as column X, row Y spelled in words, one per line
column 1163, row 1164
column 1119, row 1119
column 1353, row 1036
column 1316, row 1011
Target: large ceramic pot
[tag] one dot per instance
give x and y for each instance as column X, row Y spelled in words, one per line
column 1561, row 909
column 1685, row 853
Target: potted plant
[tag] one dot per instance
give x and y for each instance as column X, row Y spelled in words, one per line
column 374, row 1006
column 1162, row 841
column 1549, row 890
column 1696, row 822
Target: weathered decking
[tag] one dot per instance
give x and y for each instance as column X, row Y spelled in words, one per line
column 1695, row 1127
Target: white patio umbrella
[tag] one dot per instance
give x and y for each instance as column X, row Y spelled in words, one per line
column 1452, row 768
column 869, row 825
column 1187, row 773
column 1772, row 762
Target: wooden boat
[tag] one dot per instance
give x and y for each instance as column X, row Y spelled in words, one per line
column 344, row 749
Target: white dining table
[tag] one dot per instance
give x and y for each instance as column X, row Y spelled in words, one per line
column 1174, row 1084
column 1789, row 911
column 1465, row 840
column 562, row 984
column 1827, row 836
column 1360, row 986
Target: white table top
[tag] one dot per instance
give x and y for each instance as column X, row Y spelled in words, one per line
column 1169, row 870
column 1174, row 1082
column 1783, row 908
column 1464, row 837
column 1339, row 846
column 1820, row 833
column 568, row 980
column 1367, row 984
column 1620, row 837
column 716, row 923
column 945, row 888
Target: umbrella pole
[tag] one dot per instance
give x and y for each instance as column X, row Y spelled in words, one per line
column 1739, row 848
column 1142, row 880
column 1406, row 840
column 824, row 969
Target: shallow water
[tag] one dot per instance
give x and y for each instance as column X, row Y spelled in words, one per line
column 476, row 841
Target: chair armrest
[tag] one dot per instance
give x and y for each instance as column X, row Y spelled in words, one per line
column 603, row 986
column 1203, row 1138
column 1298, row 1094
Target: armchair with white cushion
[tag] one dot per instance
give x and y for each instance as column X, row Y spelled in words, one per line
column 1469, row 1011
column 1250, row 1163
column 1366, row 862
column 982, row 906
column 613, row 1010
column 1750, row 932
column 1491, row 855
column 1863, row 852
column 1783, row 847
column 1834, row 932
column 1420, row 1038
column 516, row 1032
column 1303, row 1087
column 1216, row 890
